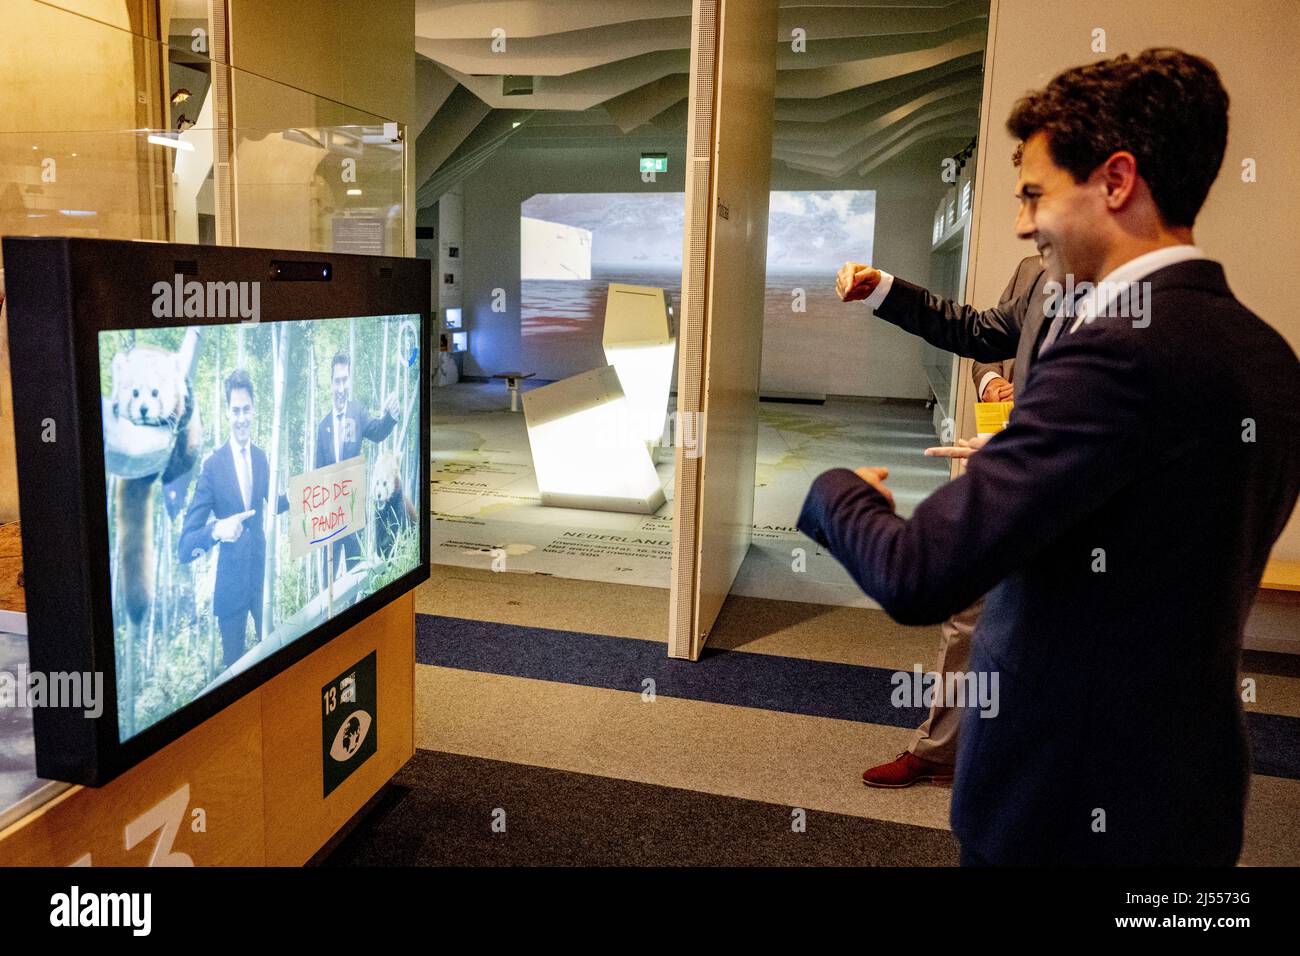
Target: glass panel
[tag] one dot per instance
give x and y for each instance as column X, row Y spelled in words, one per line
column 110, row 128
column 20, row 789
column 143, row 159
column 872, row 119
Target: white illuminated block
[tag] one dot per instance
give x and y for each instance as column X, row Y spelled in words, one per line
column 640, row 344
column 585, row 453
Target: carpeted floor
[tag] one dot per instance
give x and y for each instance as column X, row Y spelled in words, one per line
column 449, row 810
column 553, row 700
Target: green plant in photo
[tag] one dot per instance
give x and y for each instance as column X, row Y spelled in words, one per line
column 403, row 555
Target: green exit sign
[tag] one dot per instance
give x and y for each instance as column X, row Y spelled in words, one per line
column 654, row 162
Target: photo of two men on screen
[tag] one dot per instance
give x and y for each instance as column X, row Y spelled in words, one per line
column 261, row 477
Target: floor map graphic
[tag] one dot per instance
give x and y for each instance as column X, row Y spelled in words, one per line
column 487, row 513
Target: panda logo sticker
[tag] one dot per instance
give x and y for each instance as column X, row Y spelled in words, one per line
column 350, row 736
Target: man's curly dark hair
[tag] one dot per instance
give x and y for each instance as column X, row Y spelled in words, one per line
column 239, row 378
column 1166, row 107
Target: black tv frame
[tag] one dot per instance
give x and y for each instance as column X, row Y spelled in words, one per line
column 61, row 292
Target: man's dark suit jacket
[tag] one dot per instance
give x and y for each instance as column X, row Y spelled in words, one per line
column 1012, row 329
column 364, row 426
column 240, row 564
column 1118, row 687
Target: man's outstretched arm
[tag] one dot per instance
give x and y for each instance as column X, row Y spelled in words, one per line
column 987, row 335
column 1057, row 461
column 378, row 427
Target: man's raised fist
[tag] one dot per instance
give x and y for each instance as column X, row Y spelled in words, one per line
column 856, row 281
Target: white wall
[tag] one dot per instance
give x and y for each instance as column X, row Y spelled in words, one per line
column 1252, row 228
column 451, row 235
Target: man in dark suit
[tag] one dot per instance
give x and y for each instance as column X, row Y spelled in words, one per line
column 1011, row 328
column 1123, row 519
column 232, row 491
column 339, row 434
column 995, row 381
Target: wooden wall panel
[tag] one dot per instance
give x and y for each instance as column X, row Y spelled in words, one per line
column 245, row 788
column 214, row 776
column 298, row 820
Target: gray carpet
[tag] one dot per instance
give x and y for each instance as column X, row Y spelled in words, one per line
column 439, row 810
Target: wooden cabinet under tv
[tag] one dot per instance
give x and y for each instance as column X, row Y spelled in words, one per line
column 244, row 788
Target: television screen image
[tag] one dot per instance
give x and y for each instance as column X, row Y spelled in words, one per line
column 234, row 441
column 257, row 482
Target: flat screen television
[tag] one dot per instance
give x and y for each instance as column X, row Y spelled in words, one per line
column 222, row 464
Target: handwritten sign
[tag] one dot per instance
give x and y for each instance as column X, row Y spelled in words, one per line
column 326, row 504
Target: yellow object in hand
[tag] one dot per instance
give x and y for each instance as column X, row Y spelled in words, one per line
column 992, row 417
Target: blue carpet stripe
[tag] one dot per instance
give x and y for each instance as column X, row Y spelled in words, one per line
column 786, row 684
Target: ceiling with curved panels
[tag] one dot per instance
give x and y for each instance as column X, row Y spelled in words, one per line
column 876, row 78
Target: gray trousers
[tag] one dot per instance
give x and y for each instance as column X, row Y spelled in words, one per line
column 936, row 739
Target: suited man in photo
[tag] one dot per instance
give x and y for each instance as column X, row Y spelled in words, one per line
column 1120, row 524
column 339, row 435
column 227, row 508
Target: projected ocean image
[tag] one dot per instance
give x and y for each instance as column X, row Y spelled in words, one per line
column 575, row 244
column 562, row 319
column 809, row 236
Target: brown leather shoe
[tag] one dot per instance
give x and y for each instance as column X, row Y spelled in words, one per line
column 906, row 770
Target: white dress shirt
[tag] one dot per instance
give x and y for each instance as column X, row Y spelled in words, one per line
column 1118, row 280
column 880, row 291
column 243, row 470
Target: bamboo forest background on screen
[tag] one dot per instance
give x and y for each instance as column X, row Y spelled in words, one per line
column 209, row 433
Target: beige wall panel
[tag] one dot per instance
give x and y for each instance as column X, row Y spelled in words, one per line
column 361, row 53
column 733, row 335
column 1252, row 228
